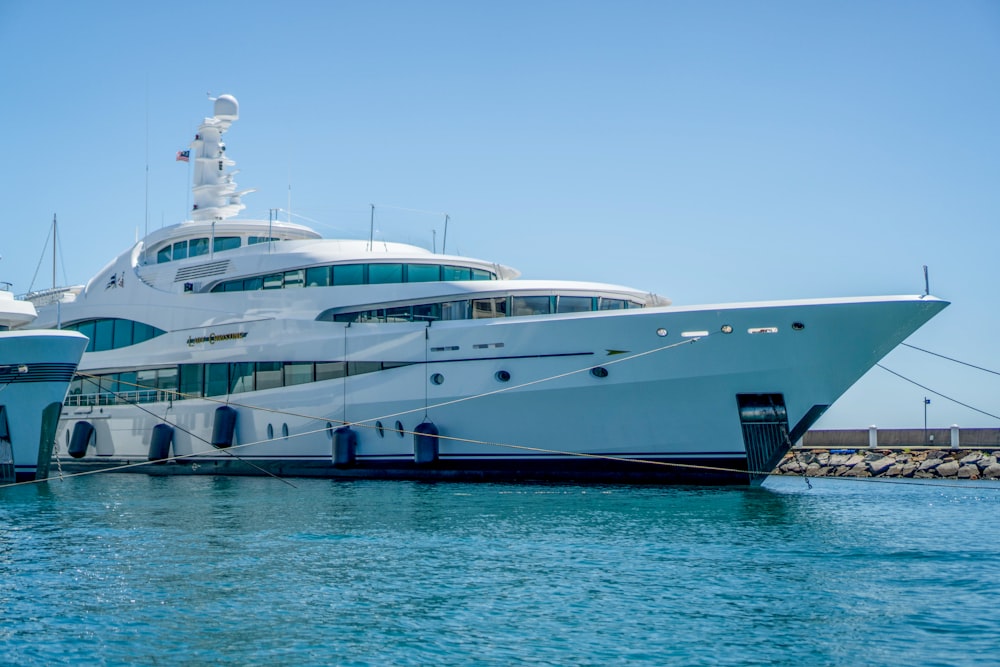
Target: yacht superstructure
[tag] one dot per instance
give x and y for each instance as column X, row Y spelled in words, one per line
column 229, row 346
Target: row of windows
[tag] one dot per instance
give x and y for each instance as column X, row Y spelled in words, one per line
column 193, row 380
column 112, row 333
column 200, row 246
column 474, row 309
column 355, row 274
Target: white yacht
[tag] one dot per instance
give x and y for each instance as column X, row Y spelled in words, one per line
column 247, row 347
column 35, row 371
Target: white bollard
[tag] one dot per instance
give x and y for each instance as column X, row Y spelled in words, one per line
column 954, row 436
column 872, row 437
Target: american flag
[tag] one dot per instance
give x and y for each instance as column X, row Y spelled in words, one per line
column 182, row 156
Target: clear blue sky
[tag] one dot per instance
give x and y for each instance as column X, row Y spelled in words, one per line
column 707, row 151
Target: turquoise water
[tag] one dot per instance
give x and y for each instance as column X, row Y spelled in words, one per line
column 129, row 569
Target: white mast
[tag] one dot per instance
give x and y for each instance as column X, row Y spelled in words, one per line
column 215, row 195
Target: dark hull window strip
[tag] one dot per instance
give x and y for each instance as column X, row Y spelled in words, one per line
column 46, row 372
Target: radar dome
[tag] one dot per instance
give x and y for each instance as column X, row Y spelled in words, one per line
column 227, row 108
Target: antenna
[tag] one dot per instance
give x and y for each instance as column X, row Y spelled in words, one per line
column 371, row 230
column 444, row 241
column 927, row 282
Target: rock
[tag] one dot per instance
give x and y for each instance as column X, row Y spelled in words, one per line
column 880, row 465
column 930, row 464
column 948, row 468
column 973, row 458
column 854, row 460
column 857, row 471
column 837, row 459
column 968, row 471
column 986, row 462
column 909, row 469
column 815, row 470
column 795, row 467
column 992, row 472
column 923, row 474
column 893, row 471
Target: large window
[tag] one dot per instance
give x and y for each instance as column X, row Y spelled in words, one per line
column 355, row 274
column 522, row 305
column 186, row 381
column 112, row 333
column 385, row 273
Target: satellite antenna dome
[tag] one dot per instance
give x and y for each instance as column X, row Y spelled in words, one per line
column 227, row 108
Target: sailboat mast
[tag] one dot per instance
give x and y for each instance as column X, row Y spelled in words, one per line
column 55, row 239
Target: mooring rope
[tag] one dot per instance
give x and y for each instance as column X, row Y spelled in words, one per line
column 937, row 393
column 369, row 424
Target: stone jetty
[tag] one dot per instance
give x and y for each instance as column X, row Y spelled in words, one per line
column 919, row 463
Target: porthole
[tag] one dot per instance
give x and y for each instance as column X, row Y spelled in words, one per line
column 380, row 429
column 284, row 430
column 727, row 328
column 599, row 372
column 437, row 378
column 798, row 326
column 399, row 428
column 270, row 431
column 661, row 332
column 502, row 376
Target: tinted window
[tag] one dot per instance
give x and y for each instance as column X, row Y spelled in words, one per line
column 240, row 377
column 191, row 377
column 143, row 332
column 574, row 304
column 198, row 247
column 361, row 367
column 530, row 305
column 180, row 250
column 329, row 370
column 163, row 255
column 274, row 281
column 455, row 310
column 255, row 283
column 269, row 375
column 295, row 278
column 400, row 314
column 456, row 273
column 297, row 373
column 166, row 378
column 123, row 333
column 128, row 381
column 479, row 274
column 422, row 273
column 486, row 308
column 385, row 273
column 103, row 335
column 349, row 274
column 427, row 312
column 612, row 304
column 216, row 379
column 226, row 243
column 318, row 276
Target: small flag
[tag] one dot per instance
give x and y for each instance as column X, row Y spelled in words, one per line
column 182, row 156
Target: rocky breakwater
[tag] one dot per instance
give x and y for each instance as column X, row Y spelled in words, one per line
column 920, row 464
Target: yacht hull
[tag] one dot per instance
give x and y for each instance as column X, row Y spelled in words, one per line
column 707, row 394
column 35, row 371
